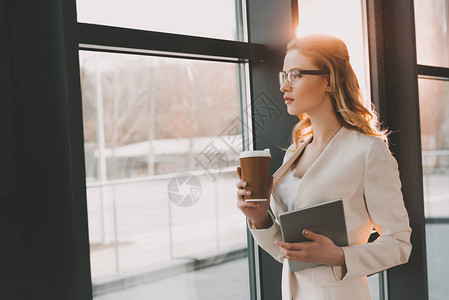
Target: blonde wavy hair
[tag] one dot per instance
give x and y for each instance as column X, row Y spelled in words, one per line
column 330, row 53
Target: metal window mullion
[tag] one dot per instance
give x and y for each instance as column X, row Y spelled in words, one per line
column 133, row 41
column 141, row 52
column 433, row 72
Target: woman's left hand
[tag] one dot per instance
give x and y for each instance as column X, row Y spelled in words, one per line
column 320, row 250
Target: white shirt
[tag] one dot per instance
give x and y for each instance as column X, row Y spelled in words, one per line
column 286, row 190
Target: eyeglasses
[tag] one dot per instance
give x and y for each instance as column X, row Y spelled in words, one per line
column 293, row 76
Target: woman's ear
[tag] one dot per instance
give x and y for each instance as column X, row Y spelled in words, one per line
column 328, row 87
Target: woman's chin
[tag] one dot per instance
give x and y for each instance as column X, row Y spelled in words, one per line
column 293, row 111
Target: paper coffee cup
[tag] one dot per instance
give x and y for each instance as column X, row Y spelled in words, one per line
column 255, row 170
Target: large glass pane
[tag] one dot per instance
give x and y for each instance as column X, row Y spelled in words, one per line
column 432, row 32
column 216, row 19
column 346, row 20
column 434, row 115
column 161, row 137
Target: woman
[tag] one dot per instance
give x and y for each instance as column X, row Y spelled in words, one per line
column 338, row 151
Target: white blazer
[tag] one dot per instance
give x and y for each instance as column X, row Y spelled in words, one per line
column 360, row 169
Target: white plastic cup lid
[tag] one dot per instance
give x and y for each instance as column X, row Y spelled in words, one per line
column 255, row 153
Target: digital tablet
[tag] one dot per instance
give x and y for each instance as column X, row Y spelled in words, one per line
column 327, row 218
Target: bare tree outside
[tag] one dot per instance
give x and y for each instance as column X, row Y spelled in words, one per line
column 155, row 98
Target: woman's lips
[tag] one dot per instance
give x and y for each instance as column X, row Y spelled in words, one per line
column 288, row 100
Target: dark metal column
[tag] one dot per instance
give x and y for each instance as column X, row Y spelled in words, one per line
column 395, row 93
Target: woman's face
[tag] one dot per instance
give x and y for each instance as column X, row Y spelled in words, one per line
column 311, row 92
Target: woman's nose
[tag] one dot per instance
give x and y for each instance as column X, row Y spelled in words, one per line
column 285, row 86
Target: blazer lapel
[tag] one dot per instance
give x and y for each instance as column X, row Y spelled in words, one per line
column 288, row 163
column 308, row 191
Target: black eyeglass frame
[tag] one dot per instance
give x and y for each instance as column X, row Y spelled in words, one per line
column 300, row 72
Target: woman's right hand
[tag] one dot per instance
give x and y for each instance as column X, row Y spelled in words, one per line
column 257, row 212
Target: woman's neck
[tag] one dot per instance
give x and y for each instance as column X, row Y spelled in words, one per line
column 324, row 129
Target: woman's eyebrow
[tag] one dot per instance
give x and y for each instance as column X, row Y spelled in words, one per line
column 290, row 70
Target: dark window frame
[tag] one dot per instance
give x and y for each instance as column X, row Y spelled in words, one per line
column 111, row 39
column 104, row 38
column 394, row 65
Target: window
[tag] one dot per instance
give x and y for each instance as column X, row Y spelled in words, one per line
column 432, row 42
column 434, row 110
column 346, row 20
column 432, row 39
column 215, row 19
column 162, row 131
